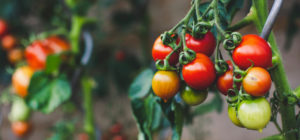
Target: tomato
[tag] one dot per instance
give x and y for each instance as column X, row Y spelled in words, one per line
column 165, row 84
column 82, row 136
column 205, row 45
column 193, row 97
column 56, row 44
column 160, row 51
column 19, row 111
column 257, row 81
column 233, row 117
column 3, row 27
column 20, row 128
column 15, row 56
column 254, row 114
column 252, row 49
column 21, row 80
column 36, row 55
column 200, row 73
column 8, row 42
column 225, row 81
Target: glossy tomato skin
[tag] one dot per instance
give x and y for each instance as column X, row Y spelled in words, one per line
column 160, row 51
column 233, row 116
column 165, row 84
column 3, row 27
column 225, row 82
column 254, row 114
column 21, row 80
column 205, row 45
column 20, row 128
column 15, row 55
column 200, row 73
column 56, row 44
column 257, row 81
column 252, row 49
column 8, row 42
column 36, row 55
column 193, row 97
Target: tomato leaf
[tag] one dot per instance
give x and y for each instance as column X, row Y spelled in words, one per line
column 46, row 94
column 52, row 63
column 141, row 85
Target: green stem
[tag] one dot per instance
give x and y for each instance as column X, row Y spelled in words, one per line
column 242, row 23
column 259, row 9
column 214, row 4
column 197, row 9
column 88, row 125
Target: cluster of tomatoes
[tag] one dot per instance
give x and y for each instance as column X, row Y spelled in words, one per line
column 35, row 56
column 245, row 81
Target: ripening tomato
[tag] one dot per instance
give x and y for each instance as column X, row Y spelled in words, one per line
column 257, row 81
column 19, row 111
column 36, row 55
column 15, row 56
column 254, row 114
column 56, row 44
column 20, row 128
column 3, row 27
column 200, row 73
column 193, row 97
column 21, row 79
column 8, row 42
column 205, row 45
column 160, row 51
column 252, row 49
column 233, row 117
column 165, row 84
column 225, row 81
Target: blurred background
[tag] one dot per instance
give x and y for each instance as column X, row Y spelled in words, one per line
column 123, row 38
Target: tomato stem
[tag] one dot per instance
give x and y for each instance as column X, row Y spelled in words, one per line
column 242, row 23
column 214, row 4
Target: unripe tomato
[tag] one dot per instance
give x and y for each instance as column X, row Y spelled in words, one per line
column 19, row 111
column 205, row 45
column 21, row 79
column 160, row 51
column 165, row 84
column 233, row 117
column 36, row 55
column 193, row 97
column 257, row 81
column 56, row 44
column 200, row 73
column 3, row 27
column 252, row 49
column 15, row 56
column 8, row 42
column 254, row 114
column 20, row 128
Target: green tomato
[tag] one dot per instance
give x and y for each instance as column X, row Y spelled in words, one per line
column 254, row 114
column 19, row 111
column 193, row 97
column 233, row 117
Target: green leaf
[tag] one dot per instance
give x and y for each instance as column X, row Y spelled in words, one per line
column 274, row 137
column 46, row 94
column 52, row 63
column 63, row 130
column 141, row 86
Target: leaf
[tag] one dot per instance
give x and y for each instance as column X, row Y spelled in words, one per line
column 46, row 94
column 274, row 137
column 52, row 63
column 63, row 130
column 141, row 85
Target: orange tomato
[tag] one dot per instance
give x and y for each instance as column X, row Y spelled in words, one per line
column 8, row 42
column 15, row 55
column 56, row 44
column 21, row 79
column 165, row 84
column 257, row 81
column 20, row 128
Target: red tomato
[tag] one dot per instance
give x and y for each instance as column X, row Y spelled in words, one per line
column 3, row 27
column 257, row 82
column 8, row 42
column 36, row 55
column 205, row 45
column 160, row 51
column 200, row 73
column 225, row 81
column 56, row 44
column 20, row 128
column 252, row 49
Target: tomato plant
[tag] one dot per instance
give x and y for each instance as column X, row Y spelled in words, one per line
column 160, row 51
column 205, row 44
column 193, row 97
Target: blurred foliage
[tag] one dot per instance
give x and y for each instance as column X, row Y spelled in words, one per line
column 293, row 25
column 63, row 130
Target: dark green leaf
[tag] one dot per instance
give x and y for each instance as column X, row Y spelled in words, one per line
column 52, row 63
column 141, row 86
column 46, row 94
